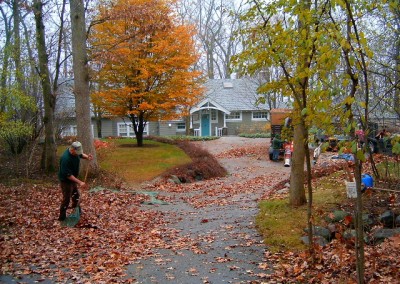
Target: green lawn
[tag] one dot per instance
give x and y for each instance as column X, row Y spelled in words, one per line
column 282, row 225
column 138, row 164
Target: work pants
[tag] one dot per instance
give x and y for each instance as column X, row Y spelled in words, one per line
column 69, row 191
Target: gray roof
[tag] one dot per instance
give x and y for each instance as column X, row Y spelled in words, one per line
column 234, row 94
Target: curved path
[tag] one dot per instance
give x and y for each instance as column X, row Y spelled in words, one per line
column 217, row 241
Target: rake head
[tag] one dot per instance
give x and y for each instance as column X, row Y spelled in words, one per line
column 73, row 218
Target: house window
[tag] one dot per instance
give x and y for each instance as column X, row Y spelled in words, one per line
column 126, row 129
column 69, row 130
column 196, row 117
column 123, row 129
column 181, row 127
column 214, row 117
column 72, row 130
column 260, row 115
column 235, row 115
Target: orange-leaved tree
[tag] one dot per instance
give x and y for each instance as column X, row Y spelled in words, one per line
column 143, row 60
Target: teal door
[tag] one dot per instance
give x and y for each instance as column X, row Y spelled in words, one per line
column 205, row 125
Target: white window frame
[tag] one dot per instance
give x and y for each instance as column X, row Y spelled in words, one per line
column 72, row 130
column 181, row 129
column 196, row 117
column 129, row 129
column 214, row 112
column 121, row 127
column 227, row 117
column 262, row 118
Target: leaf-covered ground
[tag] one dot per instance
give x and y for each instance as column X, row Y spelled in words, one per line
column 112, row 232
column 117, row 232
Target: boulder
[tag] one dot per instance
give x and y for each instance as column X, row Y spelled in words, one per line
column 320, row 231
column 351, row 234
column 317, row 239
column 397, row 222
column 387, row 219
column 337, row 216
column 174, row 179
column 368, row 221
column 381, row 234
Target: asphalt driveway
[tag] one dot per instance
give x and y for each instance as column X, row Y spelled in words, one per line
column 218, row 241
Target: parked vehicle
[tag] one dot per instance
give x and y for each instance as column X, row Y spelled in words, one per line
column 280, row 119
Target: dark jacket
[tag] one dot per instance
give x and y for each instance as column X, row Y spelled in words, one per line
column 69, row 165
column 276, row 143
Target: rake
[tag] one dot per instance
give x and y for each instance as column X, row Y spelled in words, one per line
column 73, row 219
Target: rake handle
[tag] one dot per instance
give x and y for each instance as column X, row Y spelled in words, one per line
column 86, row 174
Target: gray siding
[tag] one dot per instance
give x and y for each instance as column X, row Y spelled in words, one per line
column 170, row 128
column 246, row 125
column 154, row 129
column 250, row 126
column 107, row 128
column 167, row 128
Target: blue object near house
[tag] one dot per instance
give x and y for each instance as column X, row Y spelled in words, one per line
column 367, row 180
column 347, row 157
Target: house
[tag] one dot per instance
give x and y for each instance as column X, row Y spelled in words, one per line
column 229, row 107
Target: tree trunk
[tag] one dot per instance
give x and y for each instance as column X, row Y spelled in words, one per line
column 352, row 28
column 81, row 80
column 397, row 70
column 17, row 45
column 38, row 115
column 309, row 193
column 49, row 162
column 297, row 195
column 359, row 242
column 139, row 139
column 98, row 117
column 5, row 64
column 98, row 126
column 210, row 61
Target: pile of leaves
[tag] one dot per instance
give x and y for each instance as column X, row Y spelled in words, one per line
column 217, row 191
column 204, row 166
column 112, row 233
column 256, row 151
column 336, row 263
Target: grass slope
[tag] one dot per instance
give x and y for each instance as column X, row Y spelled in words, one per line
column 138, row 164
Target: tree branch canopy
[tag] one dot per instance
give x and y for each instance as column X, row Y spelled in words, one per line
column 143, row 61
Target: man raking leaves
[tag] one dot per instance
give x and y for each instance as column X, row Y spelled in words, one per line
column 68, row 176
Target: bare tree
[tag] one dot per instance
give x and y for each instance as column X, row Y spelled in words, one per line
column 6, row 57
column 396, row 55
column 215, row 20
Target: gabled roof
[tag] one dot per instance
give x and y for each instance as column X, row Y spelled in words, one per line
column 232, row 94
column 209, row 104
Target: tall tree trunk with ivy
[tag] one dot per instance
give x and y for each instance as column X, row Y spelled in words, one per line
column 49, row 162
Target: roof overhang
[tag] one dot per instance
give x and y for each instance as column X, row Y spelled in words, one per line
column 206, row 104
